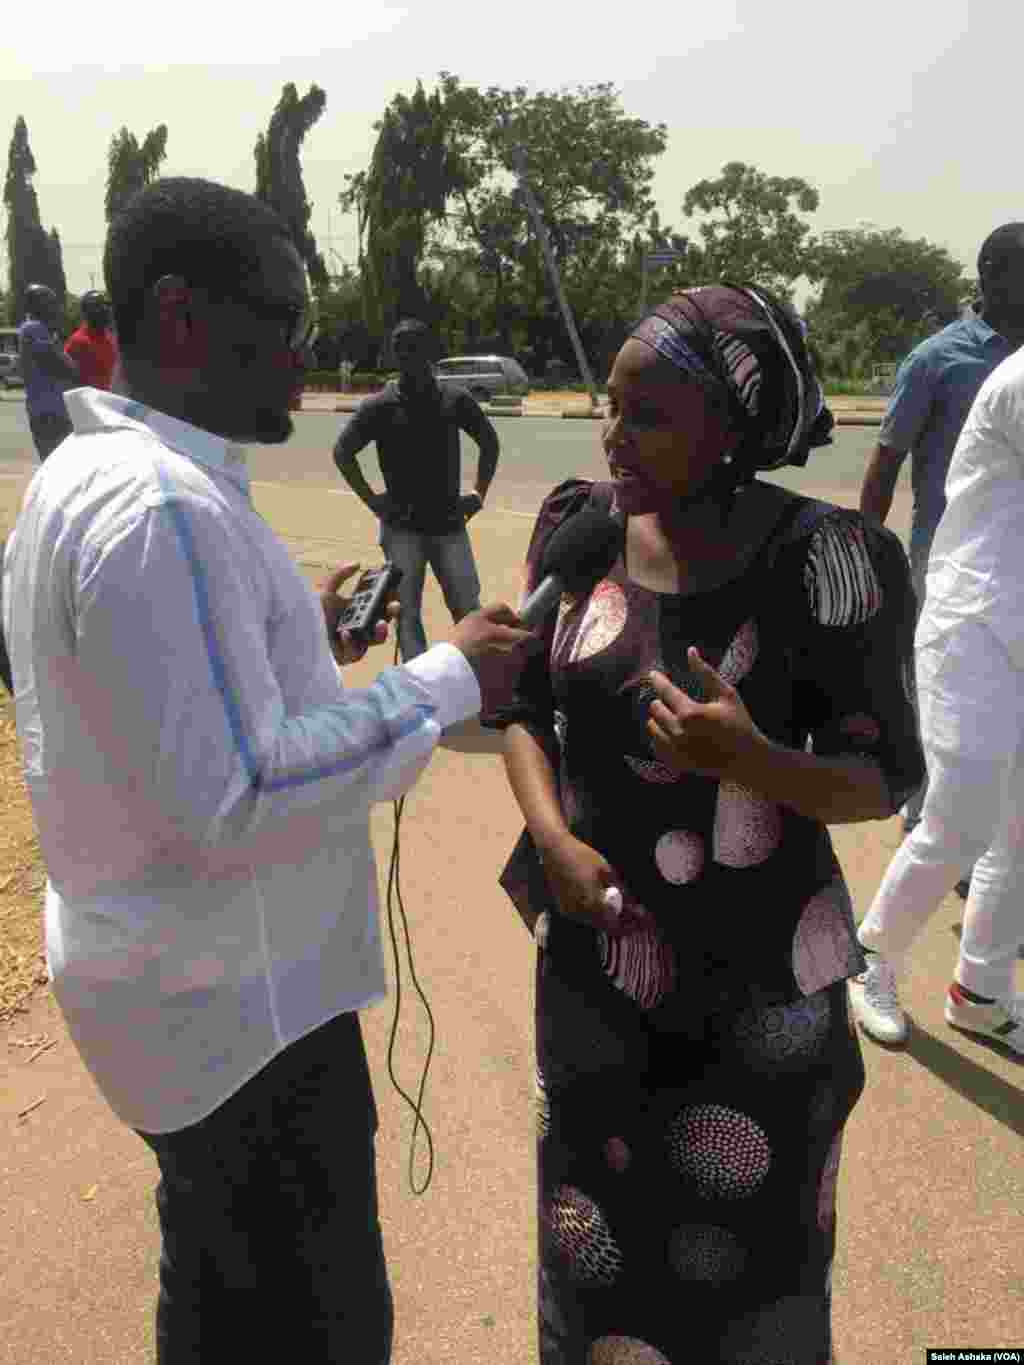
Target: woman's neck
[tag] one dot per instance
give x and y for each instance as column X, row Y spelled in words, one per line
column 689, row 549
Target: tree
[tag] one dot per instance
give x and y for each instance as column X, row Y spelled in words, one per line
column 590, row 167
column 131, row 167
column 414, row 170
column 342, row 328
column 444, row 230
column 279, row 180
column 752, row 228
column 33, row 255
column 886, row 291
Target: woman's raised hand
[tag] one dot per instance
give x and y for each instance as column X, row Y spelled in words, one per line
column 711, row 739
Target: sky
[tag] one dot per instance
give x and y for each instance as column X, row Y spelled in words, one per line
column 899, row 113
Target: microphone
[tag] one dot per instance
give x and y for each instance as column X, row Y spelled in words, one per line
column 579, row 553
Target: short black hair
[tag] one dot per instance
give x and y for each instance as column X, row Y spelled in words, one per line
column 998, row 247
column 209, row 234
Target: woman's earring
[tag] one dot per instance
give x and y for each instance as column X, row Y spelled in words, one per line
column 727, row 459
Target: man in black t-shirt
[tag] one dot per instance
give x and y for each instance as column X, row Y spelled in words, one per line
column 423, row 515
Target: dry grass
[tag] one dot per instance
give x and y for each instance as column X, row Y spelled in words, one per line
column 22, row 966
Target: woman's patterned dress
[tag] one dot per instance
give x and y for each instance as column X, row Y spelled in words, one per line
column 693, row 1080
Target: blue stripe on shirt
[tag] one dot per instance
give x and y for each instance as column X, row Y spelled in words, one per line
column 218, row 668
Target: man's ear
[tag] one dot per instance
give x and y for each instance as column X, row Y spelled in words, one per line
column 174, row 322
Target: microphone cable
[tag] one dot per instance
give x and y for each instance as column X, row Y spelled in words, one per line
column 395, row 903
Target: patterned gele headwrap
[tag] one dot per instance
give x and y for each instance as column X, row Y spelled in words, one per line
column 741, row 343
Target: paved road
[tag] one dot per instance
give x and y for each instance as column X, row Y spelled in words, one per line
column 537, row 452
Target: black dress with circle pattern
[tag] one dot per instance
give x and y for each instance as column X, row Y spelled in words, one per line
column 693, row 1080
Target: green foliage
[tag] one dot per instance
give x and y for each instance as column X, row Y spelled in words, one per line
column 279, row 180
column 447, row 234
column 72, row 314
column 590, row 167
column 33, row 255
column 362, row 380
column 131, row 166
column 414, row 170
column 882, row 293
column 752, row 228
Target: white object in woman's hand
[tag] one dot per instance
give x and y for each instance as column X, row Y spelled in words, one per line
column 587, row 888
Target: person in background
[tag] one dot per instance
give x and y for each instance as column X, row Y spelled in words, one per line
column 970, row 680
column 935, row 387
column 202, row 781
column 423, row 514
column 47, row 372
column 91, row 347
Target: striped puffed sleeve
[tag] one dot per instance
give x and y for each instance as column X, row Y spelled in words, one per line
column 853, row 684
column 529, row 699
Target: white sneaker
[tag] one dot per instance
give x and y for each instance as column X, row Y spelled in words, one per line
column 1002, row 1020
column 875, row 1004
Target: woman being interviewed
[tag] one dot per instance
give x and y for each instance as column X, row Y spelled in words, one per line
column 735, row 682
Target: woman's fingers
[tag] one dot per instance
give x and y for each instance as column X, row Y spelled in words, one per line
column 668, row 721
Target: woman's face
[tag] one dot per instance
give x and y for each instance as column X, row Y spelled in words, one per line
column 662, row 439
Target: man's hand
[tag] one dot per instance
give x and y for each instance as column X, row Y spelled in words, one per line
column 469, row 505
column 711, row 739
column 491, row 630
column 384, row 507
column 495, row 643
column 343, row 647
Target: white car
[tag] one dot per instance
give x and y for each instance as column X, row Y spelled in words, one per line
column 483, row 375
column 10, row 371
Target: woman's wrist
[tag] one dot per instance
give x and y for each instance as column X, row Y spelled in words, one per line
column 834, row 790
column 549, row 838
column 753, row 762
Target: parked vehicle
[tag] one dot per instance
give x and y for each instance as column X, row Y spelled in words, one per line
column 484, row 375
column 10, row 371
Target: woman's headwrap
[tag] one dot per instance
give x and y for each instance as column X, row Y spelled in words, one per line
column 748, row 351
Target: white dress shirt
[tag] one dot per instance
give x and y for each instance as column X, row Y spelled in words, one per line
column 976, row 567
column 201, row 780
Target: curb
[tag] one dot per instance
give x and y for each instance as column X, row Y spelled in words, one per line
column 868, row 420
column 842, row 419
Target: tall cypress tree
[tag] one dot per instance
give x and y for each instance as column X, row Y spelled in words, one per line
column 279, row 180
column 131, row 166
column 33, row 255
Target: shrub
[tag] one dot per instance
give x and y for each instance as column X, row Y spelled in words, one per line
column 361, row 380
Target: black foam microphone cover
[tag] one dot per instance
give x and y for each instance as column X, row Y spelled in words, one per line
column 583, row 549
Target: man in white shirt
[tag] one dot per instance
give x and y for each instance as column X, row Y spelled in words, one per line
column 202, row 783
column 970, row 679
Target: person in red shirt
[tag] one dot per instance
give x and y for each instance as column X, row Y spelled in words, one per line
column 92, row 347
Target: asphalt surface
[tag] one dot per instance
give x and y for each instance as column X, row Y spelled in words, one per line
column 536, row 453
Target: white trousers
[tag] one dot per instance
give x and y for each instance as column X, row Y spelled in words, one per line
column 971, row 700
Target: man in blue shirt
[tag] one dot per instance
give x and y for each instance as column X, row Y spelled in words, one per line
column 935, row 388
column 45, row 368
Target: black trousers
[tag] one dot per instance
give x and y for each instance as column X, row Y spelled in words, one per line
column 48, row 430
column 268, row 1216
